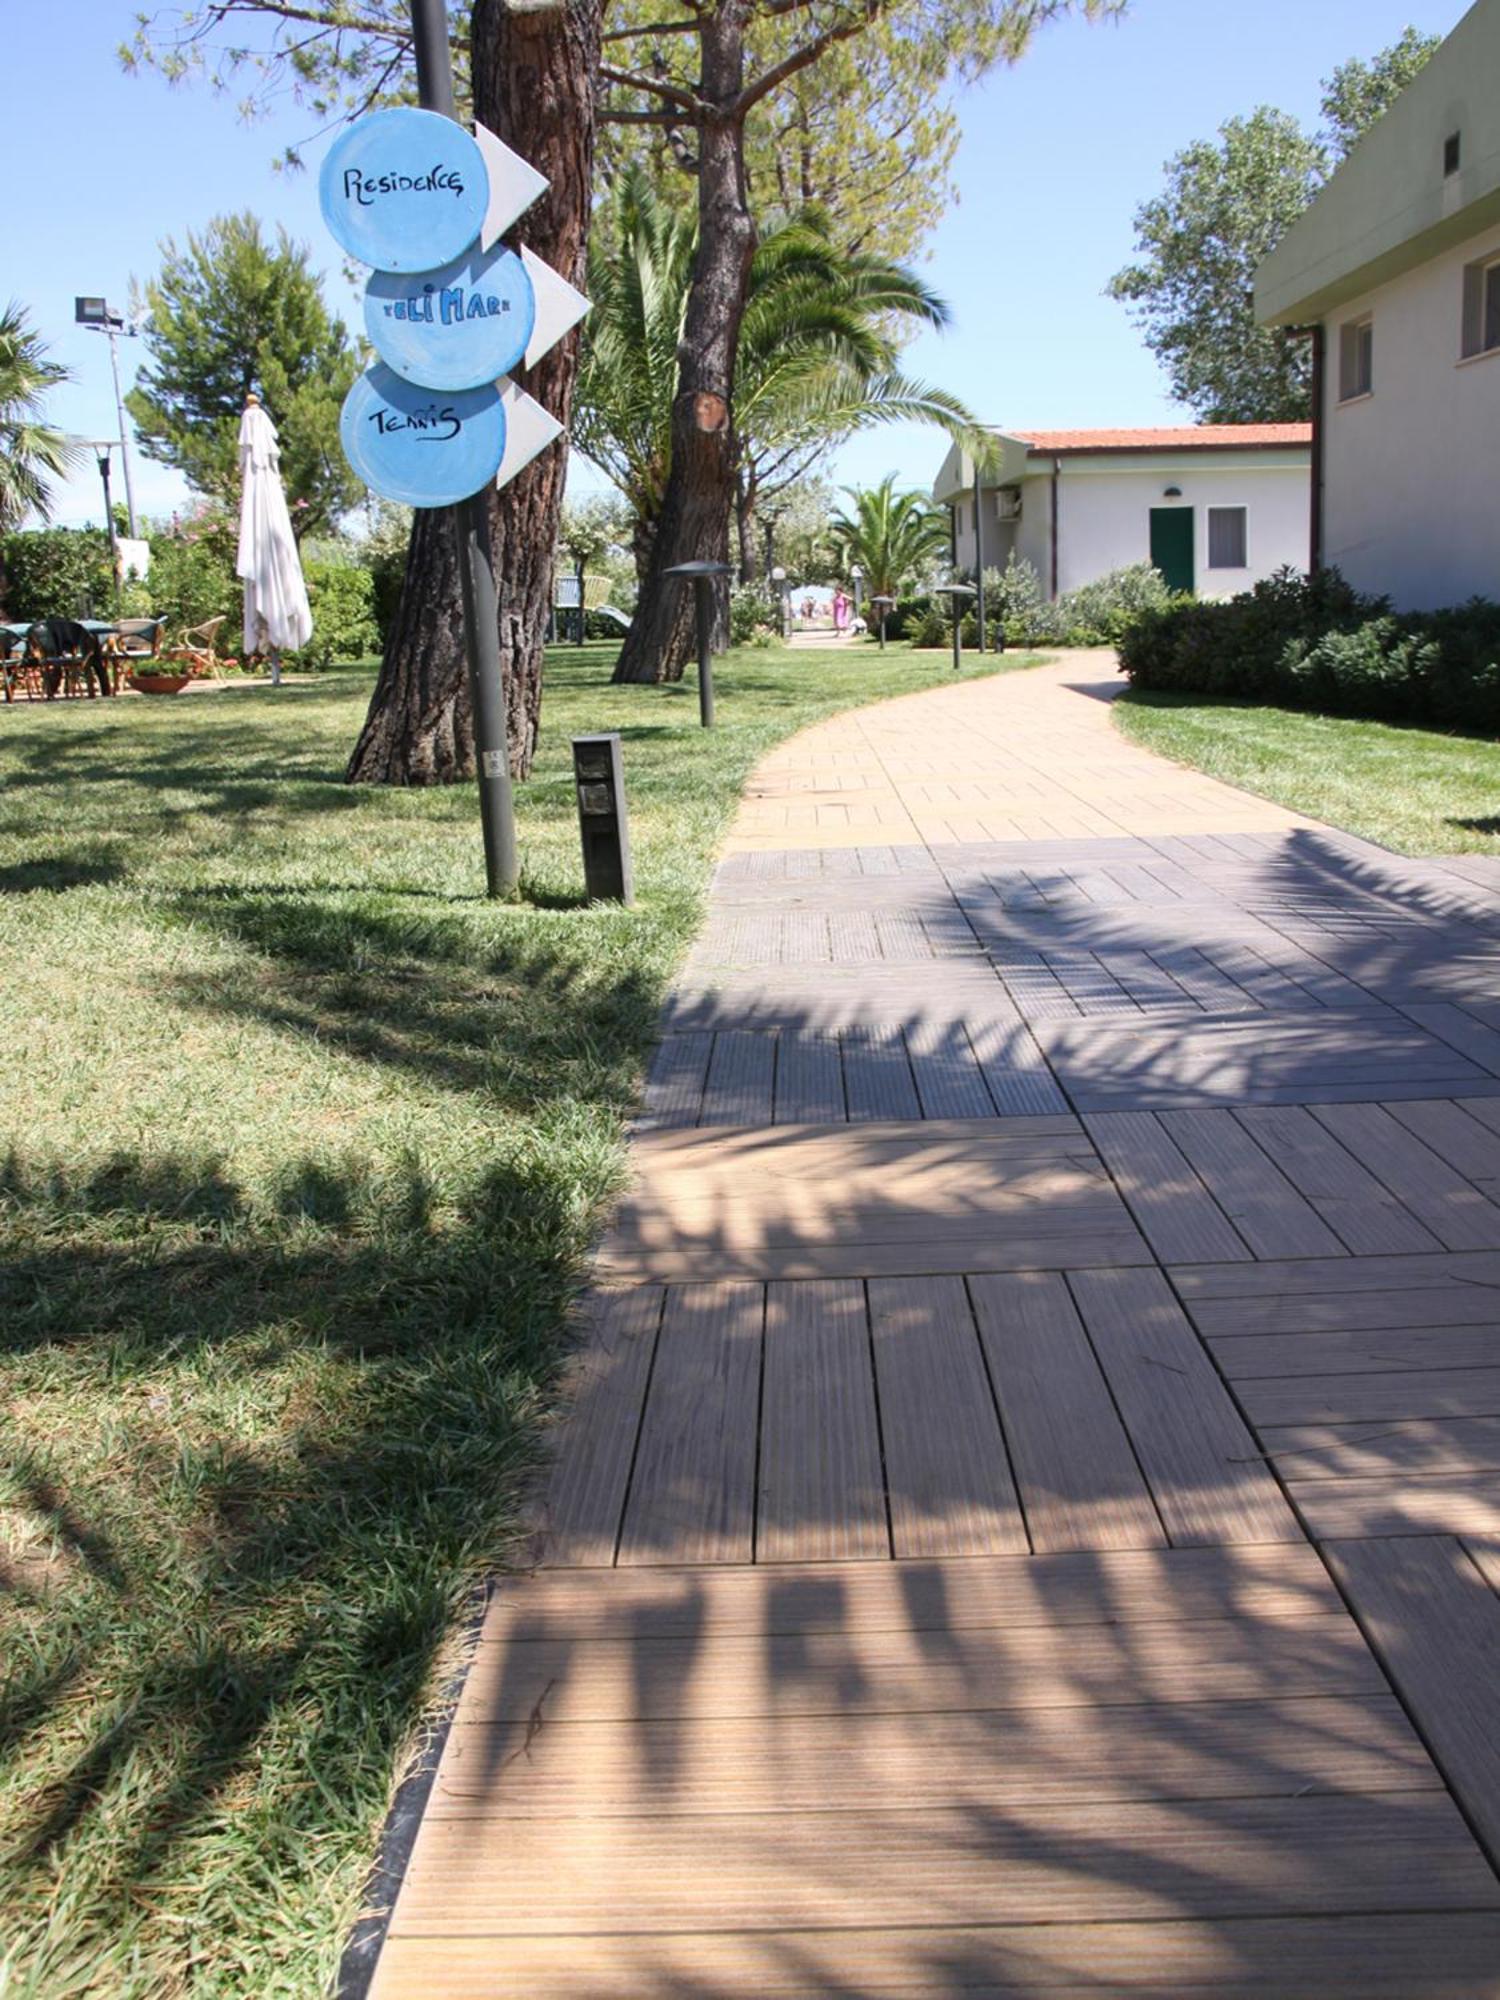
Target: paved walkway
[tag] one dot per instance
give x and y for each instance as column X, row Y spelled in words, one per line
column 1029, row 1519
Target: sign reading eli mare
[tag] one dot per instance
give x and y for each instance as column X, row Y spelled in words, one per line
column 455, row 328
column 425, row 447
column 404, row 190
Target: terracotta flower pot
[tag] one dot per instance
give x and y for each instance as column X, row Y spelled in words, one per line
column 158, row 683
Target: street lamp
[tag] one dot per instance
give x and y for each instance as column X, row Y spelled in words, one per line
column 101, row 448
column 703, row 576
column 100, row 317
column 955, row 593
column 857, row 578
column 778, row 577
column 881, row 606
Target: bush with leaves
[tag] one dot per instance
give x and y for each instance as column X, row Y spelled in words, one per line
column 57, row 572
column 345, row 628
column 930, row 628
column 1100, row 613
column 751, row 611
column 1318, row 643
column 192, row 576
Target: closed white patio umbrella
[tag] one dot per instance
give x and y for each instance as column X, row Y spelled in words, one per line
column 278, row 617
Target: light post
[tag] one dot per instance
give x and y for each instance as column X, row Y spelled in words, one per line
column 778, row 577
column 955, row 593
column 100, row 317
column 857, row 578
column 979, row 545
column 881, row 606
column 703, row 576
column 101, row 448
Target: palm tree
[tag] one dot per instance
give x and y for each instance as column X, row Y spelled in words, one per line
column 816, row 360
column 893, row 536
column 31, row 451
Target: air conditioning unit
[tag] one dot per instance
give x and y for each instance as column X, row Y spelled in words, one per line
column 1008, row 503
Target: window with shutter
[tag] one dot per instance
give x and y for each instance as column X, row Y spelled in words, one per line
column 1227, row 538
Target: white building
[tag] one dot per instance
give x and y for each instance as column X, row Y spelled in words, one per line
column 1395, row 271
column 1214, row 506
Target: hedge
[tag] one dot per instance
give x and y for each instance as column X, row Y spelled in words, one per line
column 1318, row 643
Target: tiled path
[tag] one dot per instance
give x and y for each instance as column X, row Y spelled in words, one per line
column 1029, row 1520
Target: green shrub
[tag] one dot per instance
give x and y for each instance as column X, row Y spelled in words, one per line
column 342, row 596
column 192, row 580
column 1318, row 643
column 1100, row 613
column 57, row 573
column 930, row 628
column 750, row 610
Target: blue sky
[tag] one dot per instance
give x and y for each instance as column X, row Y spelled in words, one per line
column 1056, row 156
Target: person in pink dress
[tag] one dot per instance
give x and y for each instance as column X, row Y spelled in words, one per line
column 840, row 611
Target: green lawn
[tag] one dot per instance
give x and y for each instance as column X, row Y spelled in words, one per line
column 1414, row 790
column 304, row 1145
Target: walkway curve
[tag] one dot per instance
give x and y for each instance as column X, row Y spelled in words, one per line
column 1027, row 1520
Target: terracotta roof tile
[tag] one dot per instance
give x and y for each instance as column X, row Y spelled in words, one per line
column 1181, row 437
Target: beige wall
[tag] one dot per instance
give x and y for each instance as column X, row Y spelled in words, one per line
column 1412, row 479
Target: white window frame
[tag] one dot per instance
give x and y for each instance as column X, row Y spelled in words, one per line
column 1357, row 347
column 1244, row 538
column 1481, row 308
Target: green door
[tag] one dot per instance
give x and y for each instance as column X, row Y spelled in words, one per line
column 1172, row 545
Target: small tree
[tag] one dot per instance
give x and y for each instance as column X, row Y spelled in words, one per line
column 1226, row 205
column 896, row 538
column 229, row 313
column 32, row 452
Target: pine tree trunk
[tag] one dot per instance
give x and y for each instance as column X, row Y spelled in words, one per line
column 699, row 500
column 534, row 71
column 744, row 509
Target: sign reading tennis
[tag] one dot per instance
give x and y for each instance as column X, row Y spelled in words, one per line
column 425, row 203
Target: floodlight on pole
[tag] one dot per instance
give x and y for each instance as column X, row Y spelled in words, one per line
column 100, row 317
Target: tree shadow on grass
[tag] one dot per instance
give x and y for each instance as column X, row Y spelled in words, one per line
column 282, row 1437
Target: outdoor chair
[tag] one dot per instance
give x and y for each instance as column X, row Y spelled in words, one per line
column 140, row 638
column 197, row 650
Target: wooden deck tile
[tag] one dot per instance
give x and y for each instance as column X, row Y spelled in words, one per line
column 1269, row 1857
column 1269, row 1213
column 948, row 1476
column 869, row 1200
column 1179, row 1217
column 809, row 1079
column 822, row 1491
column 1435, row 1622
column 595, row 1444
column 1362, row 1212
column 1451, row 1956
column 692, row 1491
column 1277, row 1060
column 1080, row 1483
column 1459, row 1216
column 1205, row 1472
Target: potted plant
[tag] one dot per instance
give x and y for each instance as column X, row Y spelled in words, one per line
column 151, row 679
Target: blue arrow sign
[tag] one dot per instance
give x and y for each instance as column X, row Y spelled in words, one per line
column 455, row 328
column 425, row 447
column 404, row 190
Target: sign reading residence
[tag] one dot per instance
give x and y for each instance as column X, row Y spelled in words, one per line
column 455, row 328
column 425, row 447
column 404, row 190
column 437, row 418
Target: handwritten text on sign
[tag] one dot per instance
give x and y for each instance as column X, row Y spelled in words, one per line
column 424, row 448
column 404, row 190
column 454, row 328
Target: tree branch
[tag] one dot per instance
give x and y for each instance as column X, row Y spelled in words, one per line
column 663, row 28
column 671, row 92
column 808, row 54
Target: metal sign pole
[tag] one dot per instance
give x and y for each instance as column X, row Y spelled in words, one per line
column 471, row 526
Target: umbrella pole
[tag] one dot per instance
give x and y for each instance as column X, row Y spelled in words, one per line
column 476, row 567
